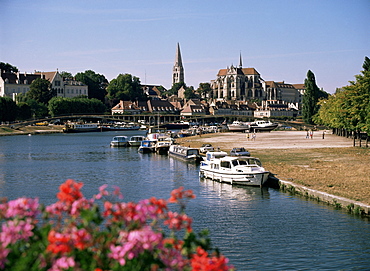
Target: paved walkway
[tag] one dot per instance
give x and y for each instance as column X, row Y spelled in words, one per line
column 280, row 140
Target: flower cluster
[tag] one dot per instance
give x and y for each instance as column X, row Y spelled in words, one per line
column 73, row 234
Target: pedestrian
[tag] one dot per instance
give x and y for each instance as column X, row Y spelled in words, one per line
column 254, row 136
column 247, row 136
column 311, row 134
column 308, row 134
column 323, row 135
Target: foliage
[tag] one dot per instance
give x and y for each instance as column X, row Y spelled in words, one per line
column 348, row 108
column 366, row 65
column 73, row 234
column 125, row 87
column 96, row 83
column 61, row 106
column 24, row 111
column 40, row 91
column 204, row 90
column 310, row 98
column 8, row 109
column 175, row 88
column 190, row 94
column 65, row 74
column 6, row 67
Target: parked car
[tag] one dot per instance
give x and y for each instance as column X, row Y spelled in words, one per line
column 206, row 147
column 239, row 152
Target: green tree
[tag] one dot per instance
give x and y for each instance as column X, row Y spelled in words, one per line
column 24, row 111
column 8, row 109
column 190, row 94
column 366, row 65
column 125, row 87
column 204, row 90
column 6, row 67
column 310, row 98
column 40, row 91
column 65, row 74
column 59, row 106
column 175, row 88
column 348, row 108
column 96, row 83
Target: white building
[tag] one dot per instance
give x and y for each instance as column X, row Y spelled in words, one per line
column 12, row 84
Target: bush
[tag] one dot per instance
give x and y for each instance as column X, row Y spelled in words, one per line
column 72, row 234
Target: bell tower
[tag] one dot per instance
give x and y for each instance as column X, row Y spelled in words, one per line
column 178, row 69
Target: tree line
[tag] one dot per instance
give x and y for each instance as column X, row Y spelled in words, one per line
column 349, row 107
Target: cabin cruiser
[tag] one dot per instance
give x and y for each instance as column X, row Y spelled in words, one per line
column 119, row 141
column 262, row 125
column 76, row 127
column 238, row 126
column 135, row 140
column 234, row 170
column 147, row 146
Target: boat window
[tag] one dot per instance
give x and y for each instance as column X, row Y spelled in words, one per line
column 243, row 162
column 192, row 152
column 235, row 162
column 225, row 164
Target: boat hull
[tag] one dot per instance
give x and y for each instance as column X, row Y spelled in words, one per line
column 257, row 179
column 186, row 154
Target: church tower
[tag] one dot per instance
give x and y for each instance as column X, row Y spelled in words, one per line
column 178, row 69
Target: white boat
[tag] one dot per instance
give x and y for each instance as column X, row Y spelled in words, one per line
column 162, row 146
column 238, row 126
column 119, row 141
column 135, row 141
column 76, row 127
column 262, row 125
column 234, row 170
column 185, row 153
column 147, row 146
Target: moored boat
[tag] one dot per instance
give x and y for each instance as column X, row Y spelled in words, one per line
column 147, row 146
column 75, row 127
column 119, row 141
column 120, row 127
column 235, row 170
column 162, row 146
column 185, row 153
column 135, row 140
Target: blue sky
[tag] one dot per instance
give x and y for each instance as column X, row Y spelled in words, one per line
column 281, row 39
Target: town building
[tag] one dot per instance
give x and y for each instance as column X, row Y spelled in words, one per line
column 12, row 84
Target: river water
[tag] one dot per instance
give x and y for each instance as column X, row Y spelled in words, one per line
column 257, row 229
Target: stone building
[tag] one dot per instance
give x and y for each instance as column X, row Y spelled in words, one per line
column 238, row 83
column 282, row 91
column 12, row 84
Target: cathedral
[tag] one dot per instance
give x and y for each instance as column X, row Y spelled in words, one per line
column 238, row 83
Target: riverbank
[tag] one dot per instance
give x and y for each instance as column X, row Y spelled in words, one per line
column 327, row 164
column 6, row 130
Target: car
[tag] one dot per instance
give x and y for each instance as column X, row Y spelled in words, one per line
column 239, row 152
column 206, row 147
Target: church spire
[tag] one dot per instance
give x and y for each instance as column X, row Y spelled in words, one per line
column 240, row 61
column 178, row 69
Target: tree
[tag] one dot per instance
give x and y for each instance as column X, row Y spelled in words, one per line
column 96, row 83
column 310, row 98
column 125, row 87
column 204, row 90
column 65, row 74
column 175, row 88
column 366, row 65
column 24, row 111
column 40, row 91
column 60, row 105
column 189, row 93
column 6, row 67
column 8, row 109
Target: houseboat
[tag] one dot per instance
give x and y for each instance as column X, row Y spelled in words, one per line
column 234, row 170
column 185, row 153
column 75, row 127
column 238, row 126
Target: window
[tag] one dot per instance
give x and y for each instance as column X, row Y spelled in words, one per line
column 57, row 83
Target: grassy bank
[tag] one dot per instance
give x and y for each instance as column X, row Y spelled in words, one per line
column 339, row 171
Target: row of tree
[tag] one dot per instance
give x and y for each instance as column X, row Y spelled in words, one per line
column 348, row 108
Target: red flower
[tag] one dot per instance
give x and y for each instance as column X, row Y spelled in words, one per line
column 58, row 243
column 70, row 191
column 201, row 262
column 180, row 194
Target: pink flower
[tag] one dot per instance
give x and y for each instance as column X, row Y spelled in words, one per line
column 22, row 207
column 62, row 264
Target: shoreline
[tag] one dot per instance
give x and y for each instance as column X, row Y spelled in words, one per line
column 316, row 168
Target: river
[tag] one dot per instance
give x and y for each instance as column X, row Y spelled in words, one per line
column 257, row 229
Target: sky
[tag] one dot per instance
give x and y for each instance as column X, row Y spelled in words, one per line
column 281, row 39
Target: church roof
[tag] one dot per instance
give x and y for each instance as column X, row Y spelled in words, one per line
column 244, row 71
